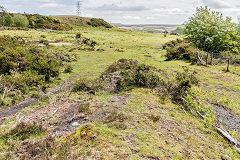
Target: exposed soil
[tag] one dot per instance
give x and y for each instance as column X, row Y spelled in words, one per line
column 6, row 112
column 61, row 44
column 71, row 119
column 153, row 58
column 57, row 44
column 64, row 86
column 228, row 120
column 62, row 117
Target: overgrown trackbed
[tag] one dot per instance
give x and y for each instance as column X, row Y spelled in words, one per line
column 64, row 86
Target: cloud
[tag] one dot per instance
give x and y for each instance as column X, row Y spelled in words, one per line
column 170, row 11
column 217, row 4
column 126, row 11
column 131, row 17
column 114, row 7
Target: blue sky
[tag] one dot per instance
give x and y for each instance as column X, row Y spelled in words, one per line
column 126, row 11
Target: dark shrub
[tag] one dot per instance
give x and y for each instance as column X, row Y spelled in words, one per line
column 86, row 85
column 12, row 60
column 178, row 86
column 47, row 66
column 24, row 130
column 140, row 76
column 180, row 50
column 126, row 73
column 23, row 81
column 43, row 36
column 68, row 69
column 44, row 41
column 78, row 35
column 95, row 22
column 46, row 22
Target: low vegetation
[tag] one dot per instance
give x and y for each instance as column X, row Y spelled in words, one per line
column 95, row 22
column 34, row 21
column 133, row 96
column 25, row 68
column 83, row 21
column 181, row 50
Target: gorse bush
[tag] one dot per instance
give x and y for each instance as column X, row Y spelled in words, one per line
column 45, row 65
column 181, row 50
column 87, row 86
column 22, row 59
column 95, row 22
column 78, row 35
column 68, row 69
column 46, row 22
column 11, row 42
column 22, row 81
column 141, row 76
column 25, row 68
column 126, row 73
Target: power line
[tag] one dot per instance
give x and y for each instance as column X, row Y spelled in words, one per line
column 79, row 8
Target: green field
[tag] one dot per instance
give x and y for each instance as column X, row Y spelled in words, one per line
column 131, row 124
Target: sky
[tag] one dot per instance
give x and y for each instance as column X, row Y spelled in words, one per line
column 126, row 11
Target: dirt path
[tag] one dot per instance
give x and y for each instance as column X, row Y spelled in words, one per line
column 6, row 112
column 153, row 58
column 228, row 120
column 64, row 86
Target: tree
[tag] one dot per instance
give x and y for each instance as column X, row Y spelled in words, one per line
column 8, row 21
column 179, row 29
column 3, row 11
column 209, row 31
column 20, row 20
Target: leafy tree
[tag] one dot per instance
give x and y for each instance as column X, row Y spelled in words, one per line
column 8, row 21
column 20, row 20
column 209, row 31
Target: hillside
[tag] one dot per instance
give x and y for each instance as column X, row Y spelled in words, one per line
column 110, row 94
column 83, row 21
column 151, row 28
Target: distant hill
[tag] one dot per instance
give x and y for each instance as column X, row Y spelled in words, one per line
column 83, row 21
column 152, row 28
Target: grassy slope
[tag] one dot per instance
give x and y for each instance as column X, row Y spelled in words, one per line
column 176, row 135
column 74, row 20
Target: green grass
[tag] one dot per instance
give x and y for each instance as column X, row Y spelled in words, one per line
column 176, row 135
